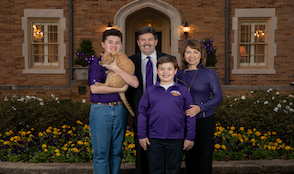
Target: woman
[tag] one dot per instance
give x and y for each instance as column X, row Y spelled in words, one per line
column 206, row 92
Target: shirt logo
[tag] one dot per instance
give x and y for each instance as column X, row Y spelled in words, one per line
column 175, row 93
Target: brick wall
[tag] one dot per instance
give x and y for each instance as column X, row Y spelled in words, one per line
column 90, row 17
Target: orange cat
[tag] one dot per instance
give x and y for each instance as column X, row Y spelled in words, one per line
column 115, row 80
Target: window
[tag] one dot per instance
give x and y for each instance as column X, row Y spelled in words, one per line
column 253, row 43
column 44, row 48
column 44, row 44
column 254, row 48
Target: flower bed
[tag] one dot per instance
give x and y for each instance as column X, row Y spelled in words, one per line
column 254, row 126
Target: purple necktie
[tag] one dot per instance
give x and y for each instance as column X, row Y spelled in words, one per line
column 149, row 73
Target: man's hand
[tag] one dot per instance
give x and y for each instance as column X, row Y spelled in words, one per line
column 144, row 143
column 188, row 145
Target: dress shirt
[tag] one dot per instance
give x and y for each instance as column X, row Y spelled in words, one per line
column 153, row 58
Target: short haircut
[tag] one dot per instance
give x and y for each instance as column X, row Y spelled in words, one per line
column 146, row 29
column 194, row 44
column 167, row 59
column 111, row 32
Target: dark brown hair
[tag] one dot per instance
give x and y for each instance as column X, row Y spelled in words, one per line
column 111, row 32
column 166, row 59
column 146, row 29
column 194, row 44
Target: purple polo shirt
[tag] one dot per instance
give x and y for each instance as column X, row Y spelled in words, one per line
column 96, row 73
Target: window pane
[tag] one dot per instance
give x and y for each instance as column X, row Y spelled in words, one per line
column 38, row 49
column 38, row 59
column 245, row 32
column 259, row 54
column 52, row 32
column 38, row 32
column 53, row 53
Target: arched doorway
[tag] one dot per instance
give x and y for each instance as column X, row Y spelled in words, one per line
column 132, row 14
column 151, row 17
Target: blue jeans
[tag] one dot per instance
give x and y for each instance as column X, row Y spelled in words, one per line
column 107, row 127
column 168, row 151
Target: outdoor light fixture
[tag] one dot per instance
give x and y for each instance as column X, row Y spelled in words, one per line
column 186, row 29
column 109, row 26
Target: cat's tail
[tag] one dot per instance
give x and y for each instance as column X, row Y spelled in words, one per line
column 127, row 104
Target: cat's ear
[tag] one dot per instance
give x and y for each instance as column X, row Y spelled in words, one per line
column 110, row 54
column 101, row 54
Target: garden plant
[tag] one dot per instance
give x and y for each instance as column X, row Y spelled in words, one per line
column 258, row 125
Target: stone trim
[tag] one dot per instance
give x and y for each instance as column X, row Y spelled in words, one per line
column 163, row 7
column 43, row 13
column 254, row 12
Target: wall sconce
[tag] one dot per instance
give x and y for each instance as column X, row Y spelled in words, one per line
column 109, row 26
column 186, row 29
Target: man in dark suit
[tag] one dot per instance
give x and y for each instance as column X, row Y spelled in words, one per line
column 147, row 41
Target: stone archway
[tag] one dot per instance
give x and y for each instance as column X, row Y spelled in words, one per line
column 172, row 13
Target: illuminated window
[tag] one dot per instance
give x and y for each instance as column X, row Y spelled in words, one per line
column 253, row 44
column 254, row 47
column 44, row 44
column 44, row 49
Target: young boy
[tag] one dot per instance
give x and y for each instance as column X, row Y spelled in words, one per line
column 108, row 115
column 163, row 128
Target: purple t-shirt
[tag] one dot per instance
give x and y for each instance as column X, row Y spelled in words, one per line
column 96, row 73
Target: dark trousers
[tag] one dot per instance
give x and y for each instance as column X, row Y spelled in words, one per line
column 199, row 158
column 141, row 155
column 165, row 155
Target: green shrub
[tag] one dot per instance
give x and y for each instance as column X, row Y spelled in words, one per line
column 265, row 110
column 23, row 113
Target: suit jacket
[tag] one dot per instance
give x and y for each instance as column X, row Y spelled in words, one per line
column 134, row 94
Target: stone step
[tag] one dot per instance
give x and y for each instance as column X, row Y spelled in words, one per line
column 275, row 166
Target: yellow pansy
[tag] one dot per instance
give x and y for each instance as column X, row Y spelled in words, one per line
column 44, row 146
column 224, row 147
column 217, row 146
column 257, row 133
column 79, row 122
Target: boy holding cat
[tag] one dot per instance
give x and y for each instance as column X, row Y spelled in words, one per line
column 108, row 115
column 164, row 130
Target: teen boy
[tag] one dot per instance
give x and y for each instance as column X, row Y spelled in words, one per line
column 108, row 115
column 163, row 128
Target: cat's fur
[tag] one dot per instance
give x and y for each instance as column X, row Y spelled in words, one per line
column 115, row 80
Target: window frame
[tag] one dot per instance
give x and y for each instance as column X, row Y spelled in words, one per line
column 264, row 65
column 31, row 15
column 31, row 43
column 255, row 15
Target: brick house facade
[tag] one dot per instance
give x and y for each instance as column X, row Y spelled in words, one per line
column 268, row 62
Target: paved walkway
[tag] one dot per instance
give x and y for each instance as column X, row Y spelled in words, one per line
column 275, row 166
